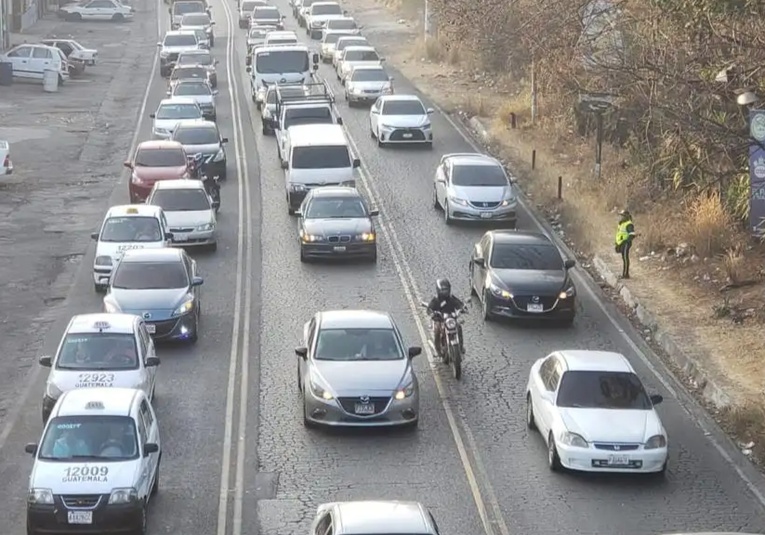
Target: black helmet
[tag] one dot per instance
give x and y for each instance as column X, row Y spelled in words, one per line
column 443, row 288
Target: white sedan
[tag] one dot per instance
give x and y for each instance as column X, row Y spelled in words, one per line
column 97, row 10
column 400, row 119
column 593, row 412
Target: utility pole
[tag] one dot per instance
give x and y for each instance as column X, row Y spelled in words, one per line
column 533, row 90
column 426, row 21
column 5, row 25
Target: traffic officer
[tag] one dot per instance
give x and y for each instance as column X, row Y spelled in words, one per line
column 625, row 233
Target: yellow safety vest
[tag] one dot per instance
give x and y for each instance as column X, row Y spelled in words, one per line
column 621, row 232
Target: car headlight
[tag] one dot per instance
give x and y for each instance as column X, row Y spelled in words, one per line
column 656, row 441
column 366, row 236
column 111, row 308
column 123, row 495
column 40, row 496
column 103, row 261
column 426, row 126
column 52, row 391
column 185, row 307
column 319, row 391
column 205, row 227
column 508, row 202
column 161, row 131
column 450, row 323
column 219, row 155
column 387, row 127
column 570, row 292
column 572, row 439
column 297, row 187
column 310, row 238
column 163, row 53
column 499, row 292
column 457, row 200
column 405, row 389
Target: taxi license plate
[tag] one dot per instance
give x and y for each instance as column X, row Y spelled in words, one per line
column 532, row 307
column 407, row 136
column 485, row 215
column 80, row 517
column 339, row 248
column 618, row 460
column 365, row 408
column 151, row 328
column 180, row 237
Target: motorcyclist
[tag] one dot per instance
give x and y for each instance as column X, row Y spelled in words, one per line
column 445, row 303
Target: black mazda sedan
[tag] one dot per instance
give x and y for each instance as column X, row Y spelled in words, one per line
column 518, row 274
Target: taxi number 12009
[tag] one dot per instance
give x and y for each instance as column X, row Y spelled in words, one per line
column 87, row 471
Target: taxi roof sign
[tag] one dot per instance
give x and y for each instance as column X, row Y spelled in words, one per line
column 131, row 210
column 101, row 325
column 94, row 405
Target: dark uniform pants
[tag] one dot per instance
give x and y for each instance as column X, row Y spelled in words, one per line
column 625, row 251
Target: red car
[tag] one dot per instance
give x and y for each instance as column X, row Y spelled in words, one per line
column 154, row 161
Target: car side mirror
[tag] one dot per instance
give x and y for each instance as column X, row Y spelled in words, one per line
column 656, row 399
column 213, row 22
column 45, row 361
column 284, row 17
column 414, row 351
column 285, row 165
column 169, row 235
column 248, row 69
column 151, row 362
column 150, row 447
column 94, row 235
column 301, row 352
column 215, row 91
column 224, row 140
column 129, row 165
column 316, row 66
column 430, row 111
column 197, row 281
column 168, row 92
column 298, row 213
column 159, row 44
column 31, row 449
column 153, row 115
column 339, row 120
column 568, row 264
column 356, row 163
column 382, row 60
column 374, row 213
column 479, row 262
column 373, row 111
column 440, row 180
column 345, row 12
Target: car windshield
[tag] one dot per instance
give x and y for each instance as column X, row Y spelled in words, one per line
column 181, row 8
column 97, row 352
column 185, row 89
column 185, row 39
column 131, row 229
column 357, row 344
column 150, row 276
column 342, row 24
column 602, row 390
column 321, row 157
column 479, row 175
column 335, row 208
column 89, row 438
column 281, row 61
column 266, row 13
column 189, row 73
column 283, row 41
column 535, row 257
column 326, row 9
column 361, row 55
column 342, row 43
column 196, row 19
column 403, row 107
column 196, row 136
column 369, row 75
column 331, row 38
column 160, row 158
column 195, row 58
column 179, row 111
column 181, row 200
column 298, row 116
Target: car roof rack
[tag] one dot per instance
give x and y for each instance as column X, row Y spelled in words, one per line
column 316, row 92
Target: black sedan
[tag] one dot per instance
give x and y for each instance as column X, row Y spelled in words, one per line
column 519, row 274
column 336, row 222
column 203, row 137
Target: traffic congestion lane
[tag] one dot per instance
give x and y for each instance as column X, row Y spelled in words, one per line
column 701, row 489
column 297, row 469
column 191, row 393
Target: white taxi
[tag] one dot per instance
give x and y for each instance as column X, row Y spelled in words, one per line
column 101, row 350
column 97, row 464
column 128, row 226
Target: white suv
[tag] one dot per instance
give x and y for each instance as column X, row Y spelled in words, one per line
column 31, row 61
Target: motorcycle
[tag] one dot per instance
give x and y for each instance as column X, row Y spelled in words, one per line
column 451, row 346
column 199, row 166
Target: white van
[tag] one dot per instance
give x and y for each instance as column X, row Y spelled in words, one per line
column 283, row 64
column 30, row 61
column 316, row 155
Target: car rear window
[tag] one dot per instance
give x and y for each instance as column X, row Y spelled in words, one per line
column 357, row 344
column 602, row 390
column 321, row 157
column 131, row 229
column 97, row 352
column 537, row 257
column 160, row 158
column 479, row 176
column 150, row 276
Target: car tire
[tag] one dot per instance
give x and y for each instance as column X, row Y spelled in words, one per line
column 530, row 422
column 485, row 312
column 155, row 485
column 429, row 145
column 212, row 42
column 99, row 288
column 553, row 459
column 447, row 216
column 373, row 257
column 266, row 131
column 436, row 204
column 258, row 105
column 118, row 17
column 143, row 522
column 75, row 17
column 372, row 132
column 303, row 258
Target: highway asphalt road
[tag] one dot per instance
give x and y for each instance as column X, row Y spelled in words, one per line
column 472, row 461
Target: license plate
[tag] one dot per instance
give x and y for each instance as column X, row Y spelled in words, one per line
column 180, row 237
column 618, row 460
column 407, row 136
column 531, row 307
column 485, row 215
column 339, row 248
column 365, row 408
column 151, row 328
column 80, row 517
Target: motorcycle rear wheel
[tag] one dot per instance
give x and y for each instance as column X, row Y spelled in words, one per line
column 455, row 359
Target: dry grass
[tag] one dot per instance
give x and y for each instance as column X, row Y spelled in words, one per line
column 435, row 50
column 734, row 264
column 518, row 105
column 747, row 423
column 655, row 231
column 477, row 106
column 709, row 228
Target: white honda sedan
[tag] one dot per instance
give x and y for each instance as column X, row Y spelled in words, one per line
column 595, row 415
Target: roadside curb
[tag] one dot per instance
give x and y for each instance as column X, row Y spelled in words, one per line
column 692, row 373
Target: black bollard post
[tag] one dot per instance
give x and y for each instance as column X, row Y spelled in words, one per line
column 560, row 187
column 534, row 159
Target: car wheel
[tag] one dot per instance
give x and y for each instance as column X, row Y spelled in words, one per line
column 98, row 288
column 371, row 131
column 212, row 43
column 143, row 522
column 290, row 210
column 530, row 423
column 436, row 204
column 265, row 130
column 373, row 257
column 303, row 257
column 447, row 216
column 155, row 485
column 553, row 460
column 258, row 105
column 75, row 17
column 485, row 312
column 429, row 145
column 117, row 17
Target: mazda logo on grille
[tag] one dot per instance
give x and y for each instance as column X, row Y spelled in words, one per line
column 535, row 299
column 364, row 399
column 147, row 315
column 617, row 448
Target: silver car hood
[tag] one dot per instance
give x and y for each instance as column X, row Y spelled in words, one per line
column 482, row 193
column 361, row 377
column 364, row 86
column 189, row 219
column 179, row 49
column 405, row 121
column 202, row 99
